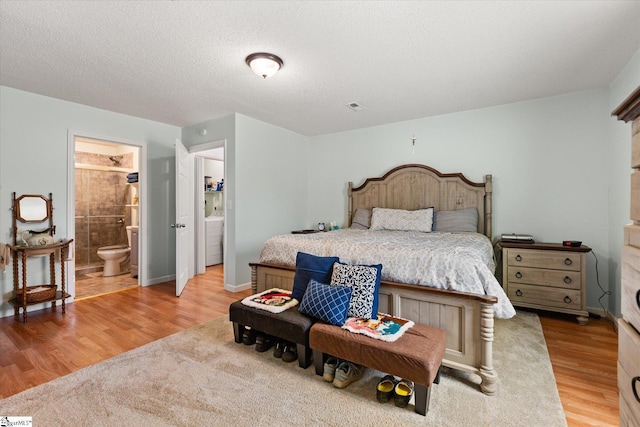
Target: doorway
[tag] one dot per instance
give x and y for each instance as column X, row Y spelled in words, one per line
column 210, row 208
column 106, row 222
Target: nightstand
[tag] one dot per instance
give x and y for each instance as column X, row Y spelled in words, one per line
column 546, row 276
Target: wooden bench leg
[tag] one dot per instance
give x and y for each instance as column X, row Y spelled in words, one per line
column 304, row 356
column 318, row 362
column 238, row 330
column 422, row 397
column 436, row 380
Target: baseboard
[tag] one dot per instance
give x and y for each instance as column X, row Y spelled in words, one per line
column 237, row 288
column 158, row 280
column 605, row 314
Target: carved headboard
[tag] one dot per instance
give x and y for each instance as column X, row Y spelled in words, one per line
column 416, row 186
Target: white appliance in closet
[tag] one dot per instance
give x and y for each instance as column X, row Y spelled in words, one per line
column 214, row 226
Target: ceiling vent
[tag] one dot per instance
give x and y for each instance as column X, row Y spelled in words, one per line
column 355, row 106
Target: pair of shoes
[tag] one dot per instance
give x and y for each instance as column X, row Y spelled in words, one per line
column 346, row 373
column 403, row 392
column 290, row 352
column 385, row 388
column 279, row 348
column 264, row 342
column 249, row 337
column 330, row 369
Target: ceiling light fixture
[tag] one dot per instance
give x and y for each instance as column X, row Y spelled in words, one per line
column 264, row 64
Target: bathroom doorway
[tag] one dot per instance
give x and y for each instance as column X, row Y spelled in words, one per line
column 107, row 217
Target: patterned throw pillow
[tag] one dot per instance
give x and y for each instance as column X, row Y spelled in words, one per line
column 364, row 280
column 402, row 220
column 311, row 267
column 325, row 302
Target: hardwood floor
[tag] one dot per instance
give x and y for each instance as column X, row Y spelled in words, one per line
column 51, row 345
column 584, row 360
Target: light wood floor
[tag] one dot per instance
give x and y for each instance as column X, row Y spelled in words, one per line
column 51, row 345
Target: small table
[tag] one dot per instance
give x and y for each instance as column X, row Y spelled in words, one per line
column 21, row 253
column 310, row 231
column 547, row 276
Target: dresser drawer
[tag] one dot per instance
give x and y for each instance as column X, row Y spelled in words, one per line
column 632, row 235
column 627, row 418
column 629, row 367
column 556, row 260
column 545, row 277
column 635, row 151
column 635, row 196
column 522, row 294
column 630, row 292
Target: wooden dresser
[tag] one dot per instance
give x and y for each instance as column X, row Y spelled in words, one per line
column 546, row 276
column 629, row 325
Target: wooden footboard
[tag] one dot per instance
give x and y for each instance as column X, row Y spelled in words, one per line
column 466, row 318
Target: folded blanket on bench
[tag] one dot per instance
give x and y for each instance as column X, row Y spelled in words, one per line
column 273, row 300
column 386, row 327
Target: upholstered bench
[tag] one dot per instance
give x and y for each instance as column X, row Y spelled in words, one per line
column 289, row 325
column 415, row 356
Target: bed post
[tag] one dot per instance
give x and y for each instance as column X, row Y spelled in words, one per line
column 254, row 278
column 350, row 204
column 487, row 207
column 487, row 373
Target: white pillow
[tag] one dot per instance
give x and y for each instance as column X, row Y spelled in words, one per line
column 402, row 220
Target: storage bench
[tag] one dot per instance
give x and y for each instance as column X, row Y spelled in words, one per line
column 415, row 356
column 289, row 325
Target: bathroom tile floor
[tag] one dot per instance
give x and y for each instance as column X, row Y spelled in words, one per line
column 94, row 284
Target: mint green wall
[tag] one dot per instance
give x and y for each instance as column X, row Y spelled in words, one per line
column 548, row 158
column 271, row 188
column 619, row 170
column 266, row 184
column 33, row 160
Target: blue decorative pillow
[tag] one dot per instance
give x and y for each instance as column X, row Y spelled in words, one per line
column 364, row 280
column 326, row 302
column 311, row 267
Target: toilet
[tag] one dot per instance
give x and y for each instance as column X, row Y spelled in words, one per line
column 115, row 255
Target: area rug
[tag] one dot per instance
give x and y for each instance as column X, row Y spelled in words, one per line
column 201, row 377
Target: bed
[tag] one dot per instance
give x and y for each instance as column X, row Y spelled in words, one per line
column 467, row 316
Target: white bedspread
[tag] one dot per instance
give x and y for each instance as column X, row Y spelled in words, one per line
column 455, row 261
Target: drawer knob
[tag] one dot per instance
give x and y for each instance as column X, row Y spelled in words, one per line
column 567, row 279
column 518, row 275
column 567, row 299
column 634, row 382
column 568, row 261
column 519, row 293
column 518, row 258
column 638, row 298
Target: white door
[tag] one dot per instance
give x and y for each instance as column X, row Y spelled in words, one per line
column 182, row 217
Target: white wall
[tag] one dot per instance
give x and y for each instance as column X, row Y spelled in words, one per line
column 33, row 160
column 547, row 158
column 619, row 171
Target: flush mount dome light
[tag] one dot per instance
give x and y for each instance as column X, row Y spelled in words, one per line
column 264, row 64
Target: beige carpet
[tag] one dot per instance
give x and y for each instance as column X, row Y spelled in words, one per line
column 201, row 377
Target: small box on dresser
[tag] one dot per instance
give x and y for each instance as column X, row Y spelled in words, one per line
column 629, row 325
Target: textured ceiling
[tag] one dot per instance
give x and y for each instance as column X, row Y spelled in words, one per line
column 182, row 62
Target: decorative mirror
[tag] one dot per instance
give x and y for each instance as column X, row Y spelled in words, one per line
column 32, row 208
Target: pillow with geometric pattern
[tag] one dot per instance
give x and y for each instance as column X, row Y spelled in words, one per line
column 325, row 302
column 364, row 280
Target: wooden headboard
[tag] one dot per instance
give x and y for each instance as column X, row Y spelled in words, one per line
column 416, row 186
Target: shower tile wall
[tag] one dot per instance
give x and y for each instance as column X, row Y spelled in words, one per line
column 101, row 199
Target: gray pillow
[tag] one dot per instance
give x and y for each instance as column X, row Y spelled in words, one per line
column 460, row 220
column 362, row 219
